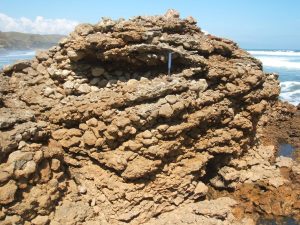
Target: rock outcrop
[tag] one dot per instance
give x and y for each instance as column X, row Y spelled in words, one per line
column 95, row 131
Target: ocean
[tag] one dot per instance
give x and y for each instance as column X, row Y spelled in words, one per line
column 285, row 63
column 9, row 57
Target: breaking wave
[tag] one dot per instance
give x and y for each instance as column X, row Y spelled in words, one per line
column 287, row 65
column 290, row 91
column 275, row 53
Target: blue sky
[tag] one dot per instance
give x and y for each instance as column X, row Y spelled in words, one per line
column 257, row 24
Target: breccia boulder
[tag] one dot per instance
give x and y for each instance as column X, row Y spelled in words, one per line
column 96, row 127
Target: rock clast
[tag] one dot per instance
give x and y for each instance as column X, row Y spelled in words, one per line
column 94, row 130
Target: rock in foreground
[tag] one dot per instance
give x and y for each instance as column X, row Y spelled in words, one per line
column 95, row 129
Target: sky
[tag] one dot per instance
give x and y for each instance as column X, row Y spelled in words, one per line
column 253, row 24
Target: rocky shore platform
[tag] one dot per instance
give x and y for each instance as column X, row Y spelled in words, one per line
column 94, row 131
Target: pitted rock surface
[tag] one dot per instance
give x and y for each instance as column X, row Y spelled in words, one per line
column 96, row 128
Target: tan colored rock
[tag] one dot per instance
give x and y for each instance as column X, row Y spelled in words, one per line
column 123, row 122
column 82, row 189
column 84, row 88
column 42, row 55
column 172, row 99
column 84, row 29
column 100, row 142
column 48, row 91
column 134, row 146
column 45, row 171
column 28, row 169
column 19, row 156
column 75, row 56
column 171, row 13
column 124, row 141
column 201, row 189
column 74, row 132
column 92, row 122
column 7, row 192
column 219, row 210
column 139, row 167
column 55, row 164
column 6, row 171
column 89, row 138
column 199, row 85
column 98, row 71
column 69, row 84
column 15, row 219
column 67, row 143
column 40, row 220
column 59, row 134
column 166, row 110
column 83, row 126
column 277, row 181
column 284, row 162
column 147, row 134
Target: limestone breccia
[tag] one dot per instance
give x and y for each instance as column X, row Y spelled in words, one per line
column 103, row 113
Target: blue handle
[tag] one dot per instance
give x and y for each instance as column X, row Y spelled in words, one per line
column 169, row 63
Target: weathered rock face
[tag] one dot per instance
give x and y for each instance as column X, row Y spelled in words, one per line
column 97, row 120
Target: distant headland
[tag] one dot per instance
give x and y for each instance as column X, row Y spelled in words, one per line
column 23, row 41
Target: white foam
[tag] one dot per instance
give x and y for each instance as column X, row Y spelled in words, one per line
column 275, row 53
column 290, row 91
column 291, row 97
column 20, row 54
column 289, row 85
column 279, row 62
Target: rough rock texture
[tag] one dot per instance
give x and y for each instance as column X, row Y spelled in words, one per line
column 96, row 132
column 264, row 182
column 261, row 185
column 284, row 127
column 212, row 212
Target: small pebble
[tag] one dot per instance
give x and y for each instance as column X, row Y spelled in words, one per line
column 82, row 189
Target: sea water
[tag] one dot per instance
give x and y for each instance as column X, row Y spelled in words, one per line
column 9, row 57
column 285, row 63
